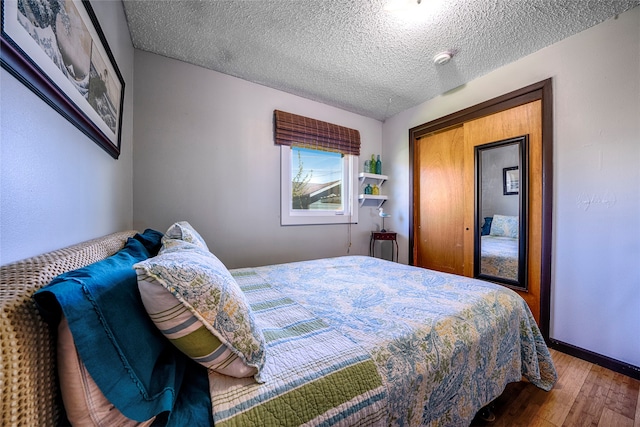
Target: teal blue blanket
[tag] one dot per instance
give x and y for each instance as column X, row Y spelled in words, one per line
column 136, row 368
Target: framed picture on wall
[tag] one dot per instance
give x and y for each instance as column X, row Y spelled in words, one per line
column 510, row 180
column 58, row 50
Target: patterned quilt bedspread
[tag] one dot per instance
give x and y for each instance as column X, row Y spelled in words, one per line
column 499, row 256
column 359, row 340
column 313, row 375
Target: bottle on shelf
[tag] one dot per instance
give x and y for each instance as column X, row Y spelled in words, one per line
column 379, row 166
column 368, row 189
column 375, row 190
column 372, row 165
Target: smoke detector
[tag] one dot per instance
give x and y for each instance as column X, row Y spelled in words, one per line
column 442, row 58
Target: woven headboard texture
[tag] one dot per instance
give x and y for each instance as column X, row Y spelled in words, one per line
column 28, row 374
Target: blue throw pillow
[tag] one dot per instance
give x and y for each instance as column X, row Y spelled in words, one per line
column 135, row 367
column 151, row 240
column 486, row 227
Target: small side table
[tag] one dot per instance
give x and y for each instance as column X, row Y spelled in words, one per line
column 383, row 235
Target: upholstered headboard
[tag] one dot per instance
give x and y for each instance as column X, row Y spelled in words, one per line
column 28, row 385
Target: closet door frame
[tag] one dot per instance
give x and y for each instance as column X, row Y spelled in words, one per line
column 538, row 91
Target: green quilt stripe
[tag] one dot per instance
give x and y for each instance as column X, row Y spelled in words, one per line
column 297, row 330
column 243, row 273
column 272, row 304
column 254, row 287
column 312, row 399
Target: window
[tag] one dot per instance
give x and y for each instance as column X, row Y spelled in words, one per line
column 317, row 170
column 318, row 187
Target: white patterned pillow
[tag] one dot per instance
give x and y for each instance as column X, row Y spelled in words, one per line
column 504, row 226
column 195, row 302
column 182, row 230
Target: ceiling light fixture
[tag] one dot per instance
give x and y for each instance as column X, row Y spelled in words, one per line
column 442, row 58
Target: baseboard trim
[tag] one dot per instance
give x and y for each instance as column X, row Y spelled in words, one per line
column 597, row 359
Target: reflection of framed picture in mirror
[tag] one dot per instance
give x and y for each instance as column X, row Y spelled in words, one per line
column 510, row 180
column 58, row 50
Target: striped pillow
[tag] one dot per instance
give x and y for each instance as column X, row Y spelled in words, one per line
column 83, row 401
column 195, row 302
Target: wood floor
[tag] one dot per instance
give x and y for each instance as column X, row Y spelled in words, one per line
column 585, row 395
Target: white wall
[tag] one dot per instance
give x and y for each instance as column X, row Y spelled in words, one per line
column 596, row 208
column 57, row 187
column 205, row 153
column 494, row 201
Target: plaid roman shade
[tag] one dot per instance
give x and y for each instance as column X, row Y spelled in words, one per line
column 291, row 129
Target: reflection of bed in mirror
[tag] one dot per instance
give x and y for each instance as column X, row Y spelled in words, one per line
column 499, row 247
column 499, row 256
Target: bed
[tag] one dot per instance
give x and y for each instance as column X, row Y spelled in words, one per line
column 340, row 341
column 499, row 256
column 499, row 246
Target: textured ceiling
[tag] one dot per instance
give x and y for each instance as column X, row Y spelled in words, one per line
column 354, row 54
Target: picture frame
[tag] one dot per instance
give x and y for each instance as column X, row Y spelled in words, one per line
column 510, row 181
column 60, row 52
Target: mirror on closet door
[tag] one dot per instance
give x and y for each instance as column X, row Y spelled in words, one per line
column 501, row 212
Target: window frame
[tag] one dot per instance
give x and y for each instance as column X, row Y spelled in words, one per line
column 288, row 216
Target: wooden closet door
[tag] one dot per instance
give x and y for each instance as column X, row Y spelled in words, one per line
column 439, row 201
column 525, row 119
column 528, row 110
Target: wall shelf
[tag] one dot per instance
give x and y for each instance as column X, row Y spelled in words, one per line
column 378, row 179
column 378, row 199
column 366, row 178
